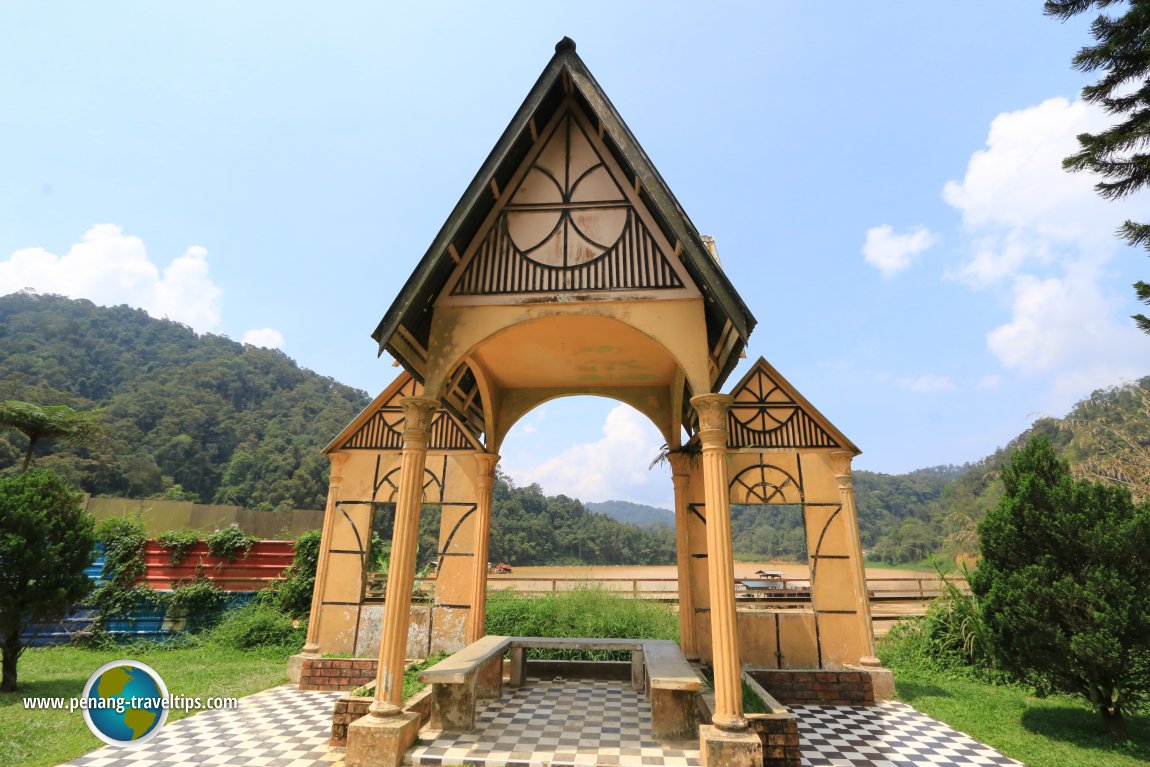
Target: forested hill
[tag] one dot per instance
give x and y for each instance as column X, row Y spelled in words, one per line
column 1105, row 437
column 198, row 417
column 208, row 419
column 530, row 528
column 204, row 418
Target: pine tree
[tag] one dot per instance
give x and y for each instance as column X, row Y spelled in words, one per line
column 1122, row 53
column 1064, row 584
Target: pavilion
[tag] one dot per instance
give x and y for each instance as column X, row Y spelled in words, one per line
column 569, row 268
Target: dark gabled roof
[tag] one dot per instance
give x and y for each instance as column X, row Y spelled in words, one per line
column 412, row 308
column 371, row 429
column 764, row 389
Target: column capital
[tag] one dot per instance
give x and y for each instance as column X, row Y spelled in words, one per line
column 487, row 462
column 712, row 410
column 338, row 462
column 680, row 464
column 841, row 463
column 485, row 474
column 417, row 413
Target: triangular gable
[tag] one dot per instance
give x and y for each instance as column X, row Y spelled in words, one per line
column 405, row 329
column 379, row 426
column 770, row 413
column 569, row 223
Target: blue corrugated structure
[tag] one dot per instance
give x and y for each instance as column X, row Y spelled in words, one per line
column 145, row 622
column 96, row 569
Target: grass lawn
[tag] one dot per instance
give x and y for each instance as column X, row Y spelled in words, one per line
column 39, row 738
column 1056, row 731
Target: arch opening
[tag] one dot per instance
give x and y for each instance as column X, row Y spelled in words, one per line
column 522, row 364
column 591, row 447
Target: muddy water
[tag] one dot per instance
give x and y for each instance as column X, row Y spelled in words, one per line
column 790, row 571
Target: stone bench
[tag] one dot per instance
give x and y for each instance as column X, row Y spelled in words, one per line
column 457, row 681
column 673, row 688
column 520, row 645
column 475, row 672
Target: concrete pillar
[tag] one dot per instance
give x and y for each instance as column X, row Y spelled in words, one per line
column 712, row 410
column 417, row 412
column 484, row 486
column 680, row 476
column 841, row 461
column 311, row 646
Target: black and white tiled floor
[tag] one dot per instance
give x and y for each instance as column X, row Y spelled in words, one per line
column 890, row 734
column 574, row 722
column 557, row 723
column 280, row 727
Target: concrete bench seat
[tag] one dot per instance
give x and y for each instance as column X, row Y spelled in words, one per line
column 519, row 646
column 457, row 681
column 673, row 688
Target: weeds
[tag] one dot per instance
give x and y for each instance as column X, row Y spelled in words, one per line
column 951, row 637
column 587, row 611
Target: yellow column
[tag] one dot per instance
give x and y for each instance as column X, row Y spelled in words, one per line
column 841, row 461
column 680, row 476
column 417, row 413
column 484, row 486
column 311, row 646
column 712, row 410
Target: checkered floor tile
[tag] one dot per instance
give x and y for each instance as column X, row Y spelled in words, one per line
column 574, row 722
column 890, row 734
column 280, row 727
column 578, row 723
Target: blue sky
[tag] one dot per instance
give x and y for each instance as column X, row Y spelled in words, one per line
column 882, row 181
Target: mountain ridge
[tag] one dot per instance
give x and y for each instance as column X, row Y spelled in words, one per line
column 205, row 418
column 633, row 513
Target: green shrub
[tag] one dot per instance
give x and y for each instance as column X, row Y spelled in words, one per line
column 123, row 541
column 292, row 595
column 199, row 600
column 951, row 637
column 178, row 543
column 256, row 625
column 230, row 542
column 45, row 544
column 379, row 554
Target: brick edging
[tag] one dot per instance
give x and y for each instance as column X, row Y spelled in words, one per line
column 828, row 688
column 336, row 674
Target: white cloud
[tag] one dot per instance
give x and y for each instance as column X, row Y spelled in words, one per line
column 1045, row 238
column 930, row 383
column 1017, row 185
column 616, row 467
column 891, row 253
column 987, row 382
column 530, row 426
column 111, row 268
column 1065, row 325
column 269, row 338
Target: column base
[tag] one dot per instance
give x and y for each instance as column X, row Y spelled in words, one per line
column 295, row 665
column 374, row 741
column 720, row 748
column 881, row 679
